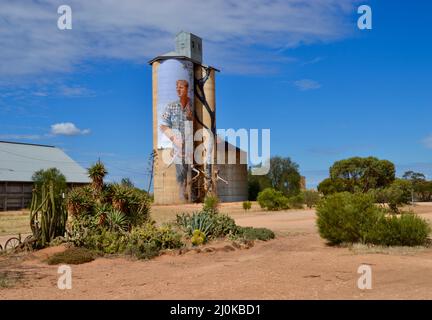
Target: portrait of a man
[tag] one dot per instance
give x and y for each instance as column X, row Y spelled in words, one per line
column 175, row 119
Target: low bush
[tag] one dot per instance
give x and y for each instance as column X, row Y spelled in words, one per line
column 272, row 200
column 247, row 205
column 396, row 195
column 72, row 256
column 296, row 202
column 249, row 233
column 311, row 198
column 406, row 230
column 211, row 204
column 223, row 225
column 105, row 241
column 354, row 218
column 144, row 241
column 346, row 217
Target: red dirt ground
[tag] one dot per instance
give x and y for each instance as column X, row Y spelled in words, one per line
column 296, row 265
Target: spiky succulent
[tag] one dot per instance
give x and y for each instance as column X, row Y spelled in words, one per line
column 117, row 221
column 97, row 173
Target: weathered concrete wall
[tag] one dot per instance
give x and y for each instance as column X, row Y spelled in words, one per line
column 235, row 174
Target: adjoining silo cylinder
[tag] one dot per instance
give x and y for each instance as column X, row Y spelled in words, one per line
column 205, row 102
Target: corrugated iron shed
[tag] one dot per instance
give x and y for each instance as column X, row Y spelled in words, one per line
column 19, row 161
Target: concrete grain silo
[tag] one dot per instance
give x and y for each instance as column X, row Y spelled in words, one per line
column 184, row 102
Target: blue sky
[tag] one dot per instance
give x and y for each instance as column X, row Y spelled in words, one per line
column 326, row 89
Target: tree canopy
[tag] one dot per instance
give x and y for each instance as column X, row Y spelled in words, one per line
column 283, row 176
column 358, row 174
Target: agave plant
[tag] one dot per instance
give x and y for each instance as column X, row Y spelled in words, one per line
column 202, row 221
column 117, row 221
column 97, row 173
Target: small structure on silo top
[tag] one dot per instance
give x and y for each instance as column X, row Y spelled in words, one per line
column 184, row 130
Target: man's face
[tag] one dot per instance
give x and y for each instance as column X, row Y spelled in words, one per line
column 182, row 89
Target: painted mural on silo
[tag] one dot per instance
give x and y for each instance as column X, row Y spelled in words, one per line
column 175, row 107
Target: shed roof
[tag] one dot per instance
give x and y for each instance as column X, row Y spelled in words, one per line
column 19, row 161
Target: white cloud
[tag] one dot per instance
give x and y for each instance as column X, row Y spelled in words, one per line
column 136, row 30
column 67, row 129
column 427, row 142
column 307, row 84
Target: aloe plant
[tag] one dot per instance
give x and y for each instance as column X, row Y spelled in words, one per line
column 97, row 173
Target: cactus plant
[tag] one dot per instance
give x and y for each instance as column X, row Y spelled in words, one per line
column 48, row 215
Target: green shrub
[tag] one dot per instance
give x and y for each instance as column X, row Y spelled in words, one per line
column 144, row 241
column 273, row 200
column 164, row 237
column 222, row 226
column 395, row 195
column 211, row 204
column 346, row 217
column 311, row 198
column 406, row 230
column 247, row 205
column 143, row 250
column 296, row 202
column 249, row 233
column 105, row 241
column 72, row 256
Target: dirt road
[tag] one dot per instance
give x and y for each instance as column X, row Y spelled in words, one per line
column 296, row 265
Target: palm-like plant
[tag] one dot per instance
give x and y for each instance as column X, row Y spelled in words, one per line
column 97, row 173
column 122, row 197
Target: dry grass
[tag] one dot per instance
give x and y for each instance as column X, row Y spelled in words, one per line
column 368, row 249
column 14, row 222
column 9, row 279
